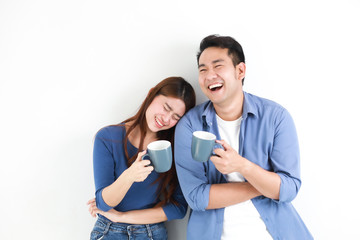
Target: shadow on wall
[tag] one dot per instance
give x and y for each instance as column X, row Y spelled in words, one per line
column 177, row 228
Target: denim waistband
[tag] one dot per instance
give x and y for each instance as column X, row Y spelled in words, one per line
column 125, row 227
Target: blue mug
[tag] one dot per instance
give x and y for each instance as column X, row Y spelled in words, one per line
column 160, row 154
column 203, row 145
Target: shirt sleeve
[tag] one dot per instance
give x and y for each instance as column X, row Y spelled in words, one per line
column 176, row 211
column 191, row 174
column 285, row 156
column 103, row 164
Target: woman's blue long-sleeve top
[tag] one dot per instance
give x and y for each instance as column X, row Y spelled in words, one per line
column 110, row 162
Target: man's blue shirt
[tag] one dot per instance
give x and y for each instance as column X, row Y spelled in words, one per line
column 267, row 138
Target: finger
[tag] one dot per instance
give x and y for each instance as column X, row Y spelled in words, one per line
column 92, row 206
column 145, row 175
column 149, row 169
column 140, row 155
column 215, row 159
column 145, row 162
column 225, row 145
column 93, row 214
column 219, row 152
column 96, row 211
column 91, row 201
column 91, row 211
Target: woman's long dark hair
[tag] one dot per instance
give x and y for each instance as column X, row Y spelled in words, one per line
column 175, row 87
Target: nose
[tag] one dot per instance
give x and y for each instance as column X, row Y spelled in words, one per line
column 166, row 118
column 210, row 74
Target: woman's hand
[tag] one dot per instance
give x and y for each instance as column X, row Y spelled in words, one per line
column 112, row 214
column 137, row 172
column 93, row 210
column 140, row 169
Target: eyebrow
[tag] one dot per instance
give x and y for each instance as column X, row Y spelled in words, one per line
column 172, row 110
column 213, row 62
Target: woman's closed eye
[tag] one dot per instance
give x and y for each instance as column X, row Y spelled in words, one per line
column 176, row 117
column 166, row 108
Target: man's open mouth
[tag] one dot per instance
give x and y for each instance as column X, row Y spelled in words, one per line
column 215, row 87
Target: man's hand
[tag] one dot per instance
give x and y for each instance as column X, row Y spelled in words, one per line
column 227, row 159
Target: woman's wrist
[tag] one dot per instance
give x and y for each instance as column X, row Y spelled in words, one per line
column 127, row 177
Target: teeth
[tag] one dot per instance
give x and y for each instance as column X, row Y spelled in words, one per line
column 158, row 122
column 211, row 87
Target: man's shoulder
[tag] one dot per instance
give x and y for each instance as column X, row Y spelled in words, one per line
column 194, row 115
column 261, row 104
column 198, row 110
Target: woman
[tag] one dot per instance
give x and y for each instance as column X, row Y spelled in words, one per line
column 131, row 198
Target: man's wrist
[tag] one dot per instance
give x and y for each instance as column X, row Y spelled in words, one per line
column 245, row 166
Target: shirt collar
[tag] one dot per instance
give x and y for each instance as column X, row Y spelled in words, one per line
column 249, row 108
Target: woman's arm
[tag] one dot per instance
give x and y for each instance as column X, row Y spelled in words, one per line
column 144, row 216
column 137, row 172
column 111, row 190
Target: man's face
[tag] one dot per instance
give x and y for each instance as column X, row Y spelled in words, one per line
column 219, row 79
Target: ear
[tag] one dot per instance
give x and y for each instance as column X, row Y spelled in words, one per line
column 240, row 70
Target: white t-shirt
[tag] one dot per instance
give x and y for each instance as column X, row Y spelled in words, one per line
column 242, row 220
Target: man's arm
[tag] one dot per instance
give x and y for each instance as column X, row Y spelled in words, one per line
column 265, row 182
column 227, row 194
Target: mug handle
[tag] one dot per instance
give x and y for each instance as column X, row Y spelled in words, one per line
column 147, row 157
column 216, row 145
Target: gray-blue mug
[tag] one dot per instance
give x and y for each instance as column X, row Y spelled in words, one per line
column 160, row 154
column 203, row 145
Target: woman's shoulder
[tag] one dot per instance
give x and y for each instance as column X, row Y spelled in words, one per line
column 111, row 132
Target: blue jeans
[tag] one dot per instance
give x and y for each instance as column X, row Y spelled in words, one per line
column 108, row 230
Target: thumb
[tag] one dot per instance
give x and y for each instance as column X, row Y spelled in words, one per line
column 140, row 155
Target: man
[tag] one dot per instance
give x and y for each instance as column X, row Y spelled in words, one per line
column 244, row 192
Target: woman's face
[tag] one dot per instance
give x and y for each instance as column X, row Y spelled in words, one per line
column 164, row 112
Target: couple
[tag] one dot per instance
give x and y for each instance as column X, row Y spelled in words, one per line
column 244, row 192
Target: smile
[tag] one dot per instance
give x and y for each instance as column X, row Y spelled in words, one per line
column 158, row 122
column 215, row 86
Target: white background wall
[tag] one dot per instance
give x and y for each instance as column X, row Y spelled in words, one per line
column 68, row 68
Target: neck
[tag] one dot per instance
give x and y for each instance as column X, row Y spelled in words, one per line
column 135, row 135
column 231, row 110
